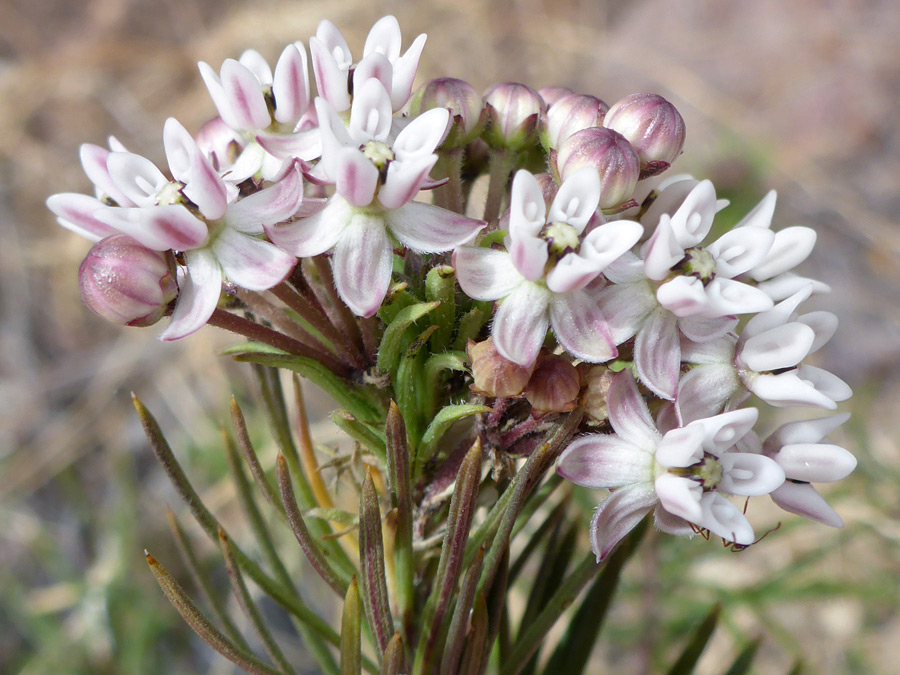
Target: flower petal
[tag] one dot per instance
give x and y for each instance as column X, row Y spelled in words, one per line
column 577, row 199
column 355, row 177
column 628, row 413
column 780, row 347
column 362, row 264
column 726, row 296
column 267, row 207
column 305, row 145
column 618, row 515
column 75, row 212
column 791, row 246
column 420, row 137
column 724, row 519
column 571, row 273
column 815, row 462
column 136, row 177
column 529, row 254
column 580, row 327
column 604, row 461
column 251, row 263
column 721, row 432
column 197, row 297
column 626, row 307
column 657, row 354
column 662, row 251
column 693, row 219
column 331, row 72
column 485, row 273
column 703, row 329
column 520, row 325
column 740, row 249
column 704, row 390
column 311, row 236
column 607, row 243
column 526, row 208
column 430, row 229
column 202, row 184
column 370, row 115
column 245, row 97
column 404, row 180
column 749, row 475
column 802, row 499
column 160, row 228
column 679, row 496
column 290, row 84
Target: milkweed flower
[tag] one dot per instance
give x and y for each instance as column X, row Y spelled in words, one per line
column 542, row 278
column 376, row 176
column 681, row 474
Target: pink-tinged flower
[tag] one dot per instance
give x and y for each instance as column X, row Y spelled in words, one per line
column 799, row 450
column 765, row 361
column 541, row 281
column 267, row 109
column 333, row 63
column 376, row 178
column 681, row 474
column 198, row 214
column 652, row 125
column 608, row 153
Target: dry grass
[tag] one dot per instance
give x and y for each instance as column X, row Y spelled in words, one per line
column 800, row 96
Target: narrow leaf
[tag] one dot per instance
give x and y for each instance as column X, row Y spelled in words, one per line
column 694, row 649
column 401, row 500
column 394, row 659
column 362, row 433
column 744, row 660
column 351, row 623
column 435, row 366
column 470, row 325
column 249, row 607
column 338, row 516
column 456, row 633
column 392, row 341
column 477, row 642
column 250, row 456
column 440, row 286
column 371, row 560
column 202, row 626
column 537, row 539
column 409, row 386
column 439, row 426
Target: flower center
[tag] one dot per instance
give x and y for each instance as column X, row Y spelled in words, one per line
column 561, row 238
column 707, row 472
column 380, row 154
column 170, row 193
column 699, row 263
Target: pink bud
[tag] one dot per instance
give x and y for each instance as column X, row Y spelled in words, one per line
column 514, row 112
column 598, row 380
column 610, row 154
column 652, row 125
column 552, row 94
column 494, row 375
column 125, row 283
column 460, row 98
column 554, row 385
column 569, row 114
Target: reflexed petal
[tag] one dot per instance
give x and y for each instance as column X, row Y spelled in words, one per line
column 604, row 461
column 420, row 137
column 93, row 160
column 136, row 177
column 661, row 252
column 520, row 325
column 672, row 524
column 290, row 86
column 785, row 285
column 320, row 232
column 724, row 519
column 761, row 214
column 405, row 72
column 815, row 462
column 626, row 307
column 76, row 212
column 740, row 249
column 657, row 354
column 197, row 297
column 719, row 351
column 484, row 273
column 251, row 263
column 362, row 264
column 628, row 413
column 791, row 247
column 526, row 208
column 722, row 431
column 577, row 199
column 827, row 383
column 693, row 219
column 202, row 184
column 679, row 495
column 267, row 207
column 158, row 227
column 789, row 389
column 572, row 273
column 703, row 329
column 802, row 499
column 683, row 296
column 680, row 447
column 626, row 269
column 618, row 515
column 245, row 96
column 705, row 390
column 384, row 38
column 779, row 315
column 305, row 145
column 749, row 475
column 824, row 324
column 529, row 255
column 805, row 431
column 355, row 177
column 777, row 348
column 726, row 296
column 580, row 327
column 370, row 115
column 331, row 76
column 404, row 180
column 428, row 228
column 607, row 243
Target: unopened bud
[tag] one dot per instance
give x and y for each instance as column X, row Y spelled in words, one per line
column 653, row 126
column 569, row 114
column 597, row 381
column 514, row 112
column 610, row 154
column 552, row 94
column 494, row 375
column 463, row 102
column 125, row 283
column 554, row 385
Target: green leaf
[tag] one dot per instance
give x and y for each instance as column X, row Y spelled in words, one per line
column 392, row 342
column 744, row 660
column 252, row 348
column 409, row 385
column 364, row 434
column 470, row 325
column 694, row 649
column 334, row 515
column 439, row 426
column 435, row 366
column 373, row 583
column 440, row 286
column 351, row 625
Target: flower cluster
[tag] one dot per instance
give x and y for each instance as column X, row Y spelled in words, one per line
column 588, row 285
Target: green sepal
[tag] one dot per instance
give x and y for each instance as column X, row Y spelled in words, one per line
column 440, row 286
column 392, row 342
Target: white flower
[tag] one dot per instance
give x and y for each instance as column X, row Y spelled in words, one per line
column 375, row 178
column 681, row 474
column 541, row 280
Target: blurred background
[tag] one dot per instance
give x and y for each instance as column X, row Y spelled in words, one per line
column 798, row 96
